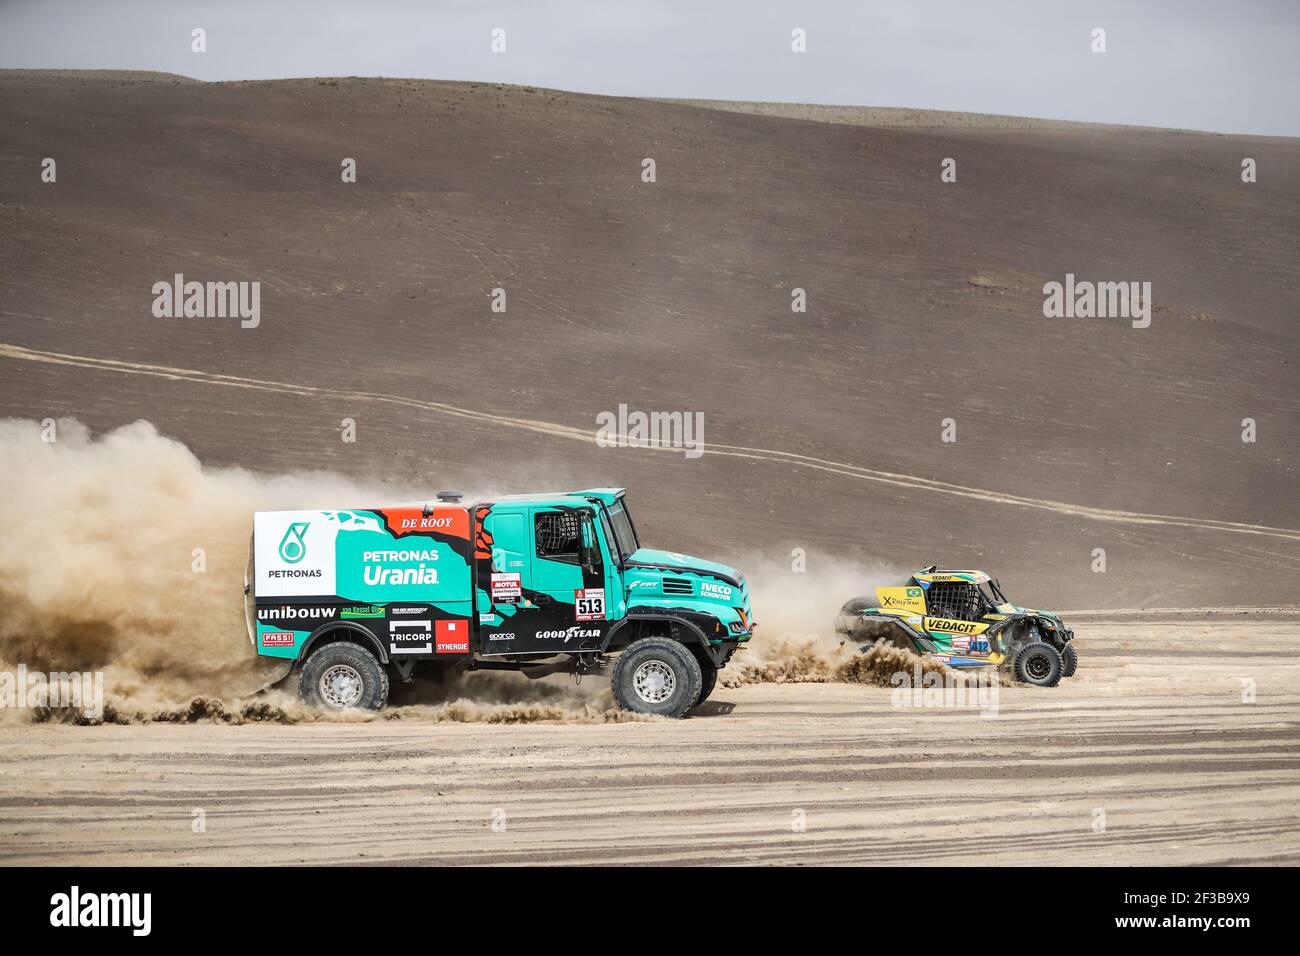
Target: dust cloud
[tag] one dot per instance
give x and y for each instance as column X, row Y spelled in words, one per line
column 796, row 641
column 123, row 554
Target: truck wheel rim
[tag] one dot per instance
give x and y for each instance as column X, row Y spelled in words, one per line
column 654, row 682
column 341, row 686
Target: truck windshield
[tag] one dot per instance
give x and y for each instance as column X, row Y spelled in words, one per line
column 624, row 533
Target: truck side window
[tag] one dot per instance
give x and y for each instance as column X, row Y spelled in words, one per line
column 557, row 535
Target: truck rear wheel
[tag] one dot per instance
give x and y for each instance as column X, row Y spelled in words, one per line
column 657, row 675
column 339, row 676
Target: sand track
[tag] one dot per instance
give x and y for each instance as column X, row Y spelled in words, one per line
column 1154, row 733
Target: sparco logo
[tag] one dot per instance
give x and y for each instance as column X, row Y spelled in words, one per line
column 569, row 634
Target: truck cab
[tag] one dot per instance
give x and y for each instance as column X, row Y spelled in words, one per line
column 534, row 583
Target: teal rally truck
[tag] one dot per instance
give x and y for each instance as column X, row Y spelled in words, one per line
column 541, row 584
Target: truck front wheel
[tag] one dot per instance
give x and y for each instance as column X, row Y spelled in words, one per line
column 709, row 673
column 657, row 675
column 342, row 675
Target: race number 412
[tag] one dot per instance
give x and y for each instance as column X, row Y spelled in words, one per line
column 589, row 604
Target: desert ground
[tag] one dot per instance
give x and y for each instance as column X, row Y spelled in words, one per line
column 1153, row 754
column 1077, row 442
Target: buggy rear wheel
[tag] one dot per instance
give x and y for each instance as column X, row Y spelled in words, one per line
column 1069, row 661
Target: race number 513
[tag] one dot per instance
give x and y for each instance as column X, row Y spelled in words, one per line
column 589, row 604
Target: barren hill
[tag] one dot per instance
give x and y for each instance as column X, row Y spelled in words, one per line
column 823, row 428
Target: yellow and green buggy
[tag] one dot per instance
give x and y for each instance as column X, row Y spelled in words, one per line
column 962, row 619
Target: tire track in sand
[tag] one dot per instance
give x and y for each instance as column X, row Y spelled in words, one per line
column 1183, row 769
column 556, row 430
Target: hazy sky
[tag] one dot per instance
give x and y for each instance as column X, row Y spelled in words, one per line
column 1225, row 66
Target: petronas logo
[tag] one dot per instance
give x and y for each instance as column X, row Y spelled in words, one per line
column 292, row 547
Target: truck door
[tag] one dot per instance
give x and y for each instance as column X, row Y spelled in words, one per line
column 568, row 579
column 615, row 591
column 550, row 595
column 503, row 549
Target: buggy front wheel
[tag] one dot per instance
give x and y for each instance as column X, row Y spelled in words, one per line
column 1037, row 663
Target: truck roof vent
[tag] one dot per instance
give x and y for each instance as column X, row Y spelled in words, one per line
column 678, row 586
column 449, row 496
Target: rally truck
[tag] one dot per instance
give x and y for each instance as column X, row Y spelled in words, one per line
column 541, row 584
column 963, row 619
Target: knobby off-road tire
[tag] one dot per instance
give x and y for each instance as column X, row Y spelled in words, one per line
column 848, row 623
column 1069, row 661
column 657, row 675
column 339, row 676
column 1038, row 663
column 709, row 680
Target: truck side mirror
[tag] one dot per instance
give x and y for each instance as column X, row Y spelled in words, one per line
column 590, row 550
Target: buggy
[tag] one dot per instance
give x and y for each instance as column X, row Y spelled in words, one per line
column 962, row 619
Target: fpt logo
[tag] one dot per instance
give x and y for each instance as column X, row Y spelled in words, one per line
column 292, row 546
